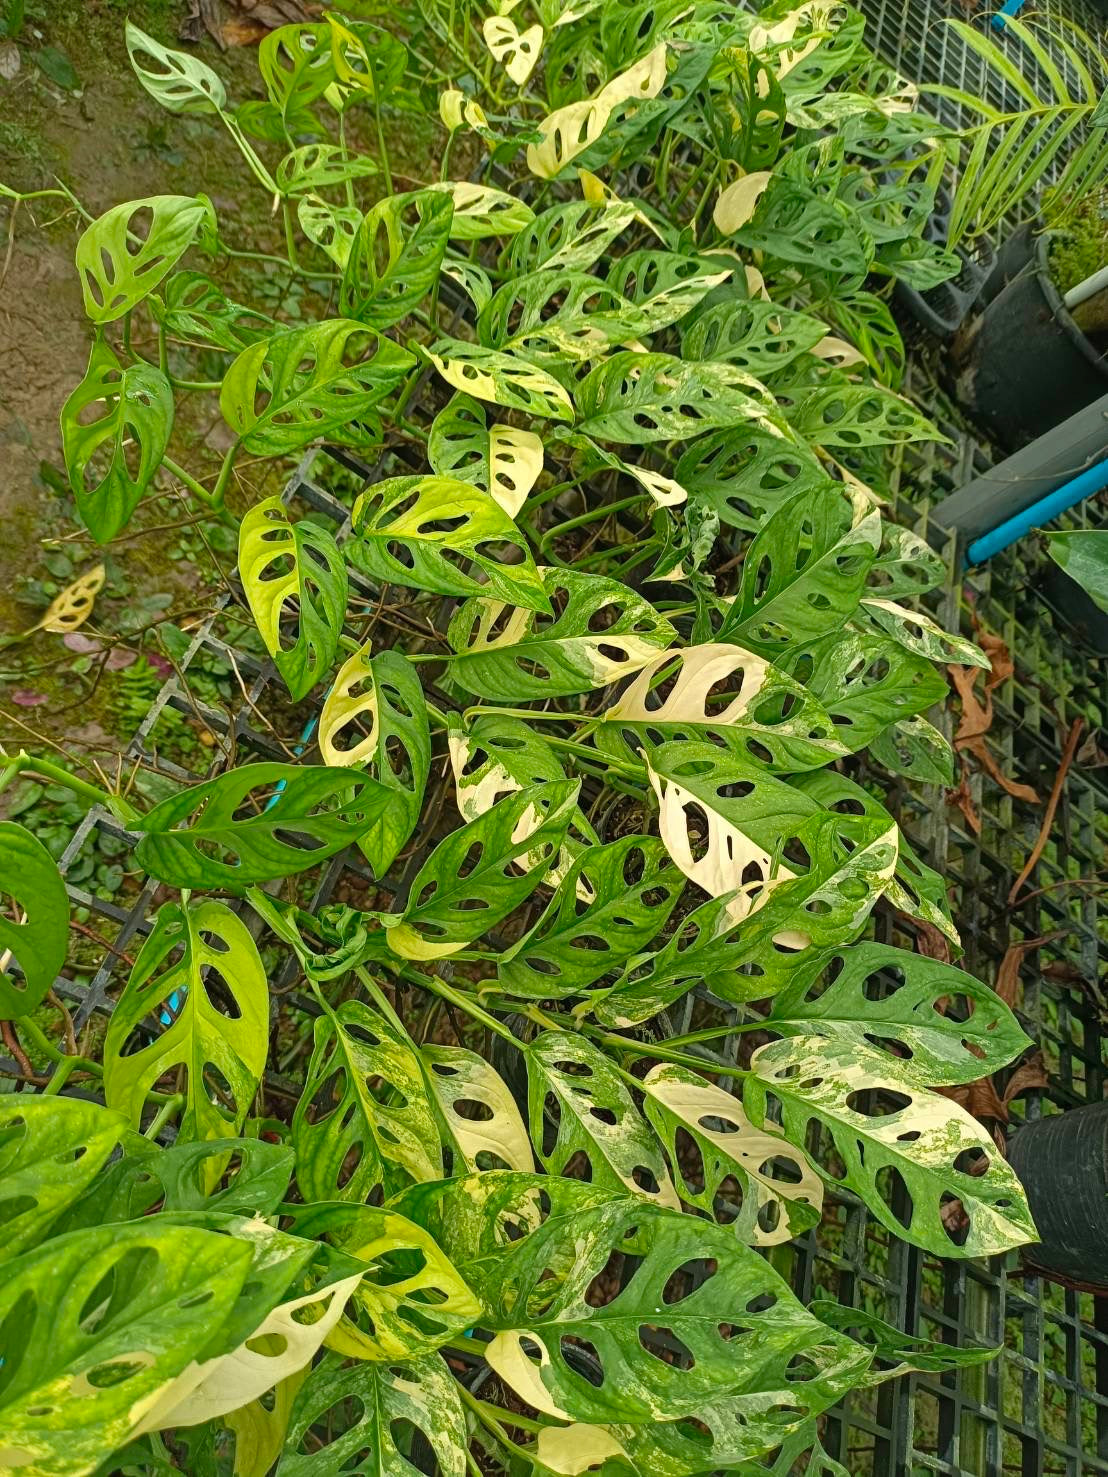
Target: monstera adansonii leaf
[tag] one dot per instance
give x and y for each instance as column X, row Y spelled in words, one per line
column 613, row 900
column 803, row 575
column 95, row 1326
column 392, row 1397
column 725, row 695
column 233, row 831
column 125, row 253
column 938, row 1024
column 637, row 398
column 442, row 534
column 493, row 1138
column 777, row 1194
column 117, row 419
column 923, row 1166
column 395, row 257
column 295, row 568
column 600, row 630
column 183, row 83
column 482, row 871
column 746, row 472
column 51, row 1149
column 499, row 459
column 867, row 682
column 503, row 379
column 375, row 717
column 692, row 1323
column 37, row 936
column 364, row 1117
column 198, row 999
column 301, row 385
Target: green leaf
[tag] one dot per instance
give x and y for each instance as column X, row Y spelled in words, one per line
column 493, row 1138
column 416, row 1393
column 735, row 1326
column 375, row 717
column 51, row 1150
column 925, row 1147
column 711, row 1143
column 330, row 227
column 319, row 166
column 938, row 1024
column 577, row 1104
column 499, row 459
column 916, row 748
column 897, row 1353
column 296, row 66
column 127, row 251
column 601, row 630
column 199, row 989
column 232, row 831
column 859, row 415
column 905, row 565
column 919, row 633
column 480, row 211
column 293, row 569
column 500, row 378
column 193, row 308
column 792, row 224
column 803, row 575
column 866, row 682
column 364, row 1116
column 572, row 236
column 611, row 903
column 727, row 696
column 95, row 1326
column 1083, row 554
column 258, row 1177
column 427, row 532
column 303, row 384
column 181, row 82
column 54, row 62
column 29, row 879
column 481, row 872
column 396, row 257
column 756, row 336
column 123, row 417
column 639, row 398
column 748, row 471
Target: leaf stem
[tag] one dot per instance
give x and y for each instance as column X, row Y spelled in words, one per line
column 24, row 763
column 438, row 986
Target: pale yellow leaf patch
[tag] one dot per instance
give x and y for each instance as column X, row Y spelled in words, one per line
column 260, row 1433
column 571, row 1450
column 353, row 697
column 763, row 37
column 505, row 1355
column 457, row 110
column 74, row 605
column 516, row 51
column 515, row 462
column 457, row 1077
column 738, row 201
column 568, row 131
column 838, row 352
column 466, row 376
column 701, row 668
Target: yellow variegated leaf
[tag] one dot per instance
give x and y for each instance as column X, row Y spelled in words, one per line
column 815, row 13
column 738, row 202
column 503, row 379
column 457, row 110
column 516, row 51
column 259, row 1432
column 568, row 131
column 838, row 352
column 490, row 1139
column 571, row 1450
column 480, row 210
column 919, row 633
column 74, row 605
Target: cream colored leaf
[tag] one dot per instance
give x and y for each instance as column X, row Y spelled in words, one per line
column 520, row 1371
column 568, row 131
column 457, row 110
column 739, row 201
column 516, row 51
column 770, row 38
column 461, row 1079
column 919, row 633
column 756, row 284
column 353, row 695
column 516, row 375
column 838, row 352
column 260, row 1433
column 701, row 668
column 718, row 1118
column 515, row 462
column 571, row 1450
column 74, row 605
column 596, row 192
column 278, row 1347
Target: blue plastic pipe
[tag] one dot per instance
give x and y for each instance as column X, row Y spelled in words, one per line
column 1084, row 485
column 1010, row 7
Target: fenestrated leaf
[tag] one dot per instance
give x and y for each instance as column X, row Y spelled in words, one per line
column 481, row 872
column 462, row 1082
column 920, row 634
column 426, row 532
column 792, row 224
column 725, row 695
column 866, row 682
column 233, row 831
column 37, row 936
column 568, row 131
column 630, row 888
column 389, row 1396
column 905, row 565
column 915, row 748
column 573, row 235
column 414, row 1298
column 605, row 1355
column 742, row 958
column 746, row 472
column 516, row 51
column 859, row 415
column 375, row 716
column 501, row 378
column 365, row 1100
column 601, row 630
column 577, row 1104
column 480, row 210
column 770, row 1208
column 318, row 166
column 803, row 575
column 913, row 1141
column 939, row 1024
column 191, row 307
column 293, row 568
column 200, row 971
column 119, row 265
column 95, row 1325
column 51, row 1149
column 638, row 397
column 896, row 1352
column 395, row 257
column 756, row 336
column 330, row 227
column 182, row 83
column 257, row 1183
column 303, row 384
column 499, row 459
column 297, row 66
column 122, row 417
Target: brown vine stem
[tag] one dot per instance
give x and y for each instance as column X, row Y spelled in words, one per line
column 1076, row 729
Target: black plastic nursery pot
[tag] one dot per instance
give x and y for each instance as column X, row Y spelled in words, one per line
column 1023, row 365
column 1062, row 1161
column 1015, row 257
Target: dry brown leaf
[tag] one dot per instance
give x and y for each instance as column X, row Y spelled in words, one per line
column 977, row 718
column 1029, row 1076
column 1008, row 975
column 964, row 801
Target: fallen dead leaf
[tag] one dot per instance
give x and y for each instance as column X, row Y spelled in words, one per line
column 1008, row 975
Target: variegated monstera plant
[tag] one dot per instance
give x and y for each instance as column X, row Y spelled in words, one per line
column 629, row 607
